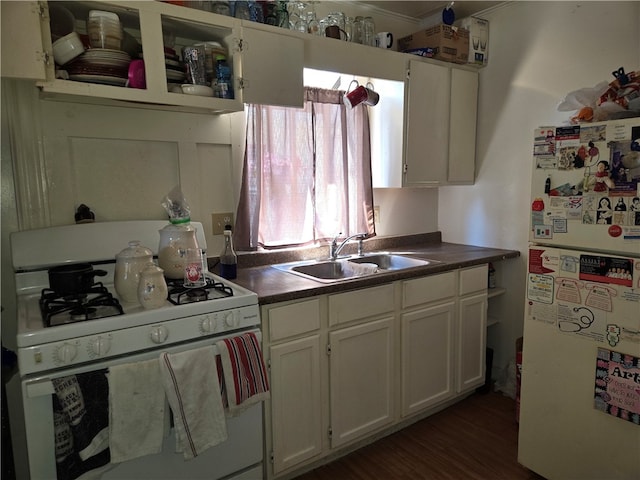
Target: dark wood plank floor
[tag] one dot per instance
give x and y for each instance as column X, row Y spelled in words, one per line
column 475, row 439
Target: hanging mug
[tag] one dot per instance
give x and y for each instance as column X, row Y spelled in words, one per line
column 360, row 94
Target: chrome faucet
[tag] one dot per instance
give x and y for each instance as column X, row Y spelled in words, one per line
column 334, row 248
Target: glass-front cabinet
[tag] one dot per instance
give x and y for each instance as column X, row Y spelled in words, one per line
column 148, row 63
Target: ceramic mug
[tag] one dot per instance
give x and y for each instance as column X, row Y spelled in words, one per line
column 334, row 31
column 360, row 95
column 384, row 39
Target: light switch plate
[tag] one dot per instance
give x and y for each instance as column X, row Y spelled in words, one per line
column 219, row 220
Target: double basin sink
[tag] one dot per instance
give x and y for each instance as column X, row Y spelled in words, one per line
column 328, row 271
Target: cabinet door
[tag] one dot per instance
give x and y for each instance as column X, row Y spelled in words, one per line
column 427, row 357
column 23, row 28
column 427, row 124
column 472, row 341
column 296, row 417
column 462, row 141
column 361, row 363
column 272, row 68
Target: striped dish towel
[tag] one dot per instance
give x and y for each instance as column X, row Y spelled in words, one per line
column 244, row 374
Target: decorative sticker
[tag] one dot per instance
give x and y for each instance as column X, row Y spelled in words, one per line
column 544, row 143
column 617, row 385
column 540, row 288
column 543, row 261
column 542, row 231
column 569, row 290
column 582, row 321
column 604, row 269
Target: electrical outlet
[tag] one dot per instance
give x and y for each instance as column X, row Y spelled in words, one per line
column 376, row 213
column 219, row 220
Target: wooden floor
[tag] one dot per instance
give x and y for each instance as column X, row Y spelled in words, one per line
column 476, row 439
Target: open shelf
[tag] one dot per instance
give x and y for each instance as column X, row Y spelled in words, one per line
column 494, row 292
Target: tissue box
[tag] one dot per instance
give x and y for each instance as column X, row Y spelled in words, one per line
column 448, row 43
column 478, row 40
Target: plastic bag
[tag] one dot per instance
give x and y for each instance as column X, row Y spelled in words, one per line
column 605, row 100
column 177, row 206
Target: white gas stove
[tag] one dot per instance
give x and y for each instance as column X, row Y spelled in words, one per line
column 78, row 339
column 57, row 342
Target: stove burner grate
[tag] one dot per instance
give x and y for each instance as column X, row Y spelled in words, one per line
column 179, row 294
column 96, row 302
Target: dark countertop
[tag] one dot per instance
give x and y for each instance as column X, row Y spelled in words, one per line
column 274, row 285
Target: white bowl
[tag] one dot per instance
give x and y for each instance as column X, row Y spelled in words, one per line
column 201, row 90
column 67, row 48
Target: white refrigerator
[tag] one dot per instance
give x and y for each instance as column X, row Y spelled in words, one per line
column 579, row 414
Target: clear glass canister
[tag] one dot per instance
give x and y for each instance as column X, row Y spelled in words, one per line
column 175, row 240
column 368, row 32
column 130, row 262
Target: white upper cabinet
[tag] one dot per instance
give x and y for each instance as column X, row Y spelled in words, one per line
column 440, row 125
column 23, row 55
column 423, row 130
column 272, row 67
column 427, row 113
column 462, row 127
column 268, row 63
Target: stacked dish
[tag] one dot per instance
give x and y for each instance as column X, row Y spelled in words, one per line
column 104, row 30
column 100, row 65
column 174, row 67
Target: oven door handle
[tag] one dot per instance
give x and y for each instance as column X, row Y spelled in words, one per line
column 39, row 388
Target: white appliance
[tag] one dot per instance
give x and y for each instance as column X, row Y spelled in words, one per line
column 92, row 344
column 580, row 392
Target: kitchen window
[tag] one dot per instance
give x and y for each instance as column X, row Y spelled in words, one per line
column 306, row 175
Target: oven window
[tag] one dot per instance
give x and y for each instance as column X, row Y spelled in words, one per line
column 81, row 423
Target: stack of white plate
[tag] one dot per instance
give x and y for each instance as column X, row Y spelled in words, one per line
column 100, row 65
column 174, row 67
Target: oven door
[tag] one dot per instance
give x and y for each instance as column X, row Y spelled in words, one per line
column 34, row 442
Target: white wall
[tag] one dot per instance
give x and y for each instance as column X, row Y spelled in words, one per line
column 538, row 52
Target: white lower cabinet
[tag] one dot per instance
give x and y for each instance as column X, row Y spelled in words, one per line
column 360, row 364
column 472, row 328
column 427, row 357
column 295, row 352
column 427, row 346
column 336, row 361
column 296, row 402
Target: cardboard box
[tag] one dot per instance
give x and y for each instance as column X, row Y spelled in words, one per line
column 478, row 40
column 450, row 44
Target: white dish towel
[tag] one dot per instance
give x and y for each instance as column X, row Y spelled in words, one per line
column 137, row 413
column 191, row 383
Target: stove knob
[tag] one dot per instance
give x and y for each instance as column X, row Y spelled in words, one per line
column 159, row 334
column 100, row 346
column 66, row 353
column 208, row 324
column 230, row 320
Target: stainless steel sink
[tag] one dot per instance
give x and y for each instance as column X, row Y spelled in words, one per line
column 388, row 261
column 329, row 271
column 326, row 271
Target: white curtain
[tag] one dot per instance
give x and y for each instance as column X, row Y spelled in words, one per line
column 307, row 173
